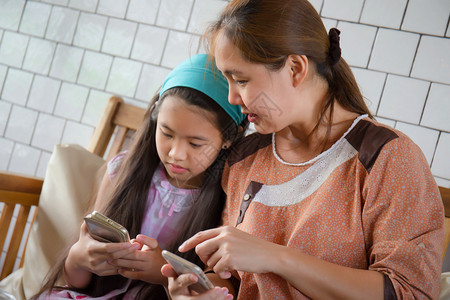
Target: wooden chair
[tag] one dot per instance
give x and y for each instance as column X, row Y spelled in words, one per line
column 445, row 194
column 24, row 191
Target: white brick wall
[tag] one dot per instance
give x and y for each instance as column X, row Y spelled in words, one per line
column 60, row 61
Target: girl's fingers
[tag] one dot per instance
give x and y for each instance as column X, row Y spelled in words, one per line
column 105, row 269
column 130, row 273
column 150, row 242
column 215, row 293
column 109, row 272
column 185, row 280
column 178, row 285
column 126, row 264
column 168, row 271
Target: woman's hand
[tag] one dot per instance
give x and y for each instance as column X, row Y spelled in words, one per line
column 144, row 264
column 226, row 249
column 88, row 256
column 178, row 287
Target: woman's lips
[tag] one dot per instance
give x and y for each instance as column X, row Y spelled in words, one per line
column 177, row 169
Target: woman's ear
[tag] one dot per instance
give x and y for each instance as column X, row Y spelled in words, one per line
column 298, row 65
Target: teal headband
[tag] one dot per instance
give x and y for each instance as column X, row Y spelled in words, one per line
column 197, row 73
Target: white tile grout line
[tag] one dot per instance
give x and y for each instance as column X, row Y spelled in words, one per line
column 382, row 92
column 404, row 14
column 435, row 149
column 371, row 48
column 361, row 12
column 415, row 55
column 190, row 15
column 425, row 103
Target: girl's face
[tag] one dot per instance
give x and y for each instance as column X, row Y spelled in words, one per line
column 187, row 141
column 262, row 94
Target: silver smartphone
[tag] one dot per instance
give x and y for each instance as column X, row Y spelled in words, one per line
column 104, row 229
column 183, row 266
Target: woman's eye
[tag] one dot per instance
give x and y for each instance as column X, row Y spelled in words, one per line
column 240, row 82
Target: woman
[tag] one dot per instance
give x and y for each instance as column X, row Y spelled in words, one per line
column 332, row 204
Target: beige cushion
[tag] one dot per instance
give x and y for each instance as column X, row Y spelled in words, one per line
column 64, row 201
column 445, row 286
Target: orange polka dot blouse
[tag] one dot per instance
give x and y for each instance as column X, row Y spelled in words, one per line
column 368, row 202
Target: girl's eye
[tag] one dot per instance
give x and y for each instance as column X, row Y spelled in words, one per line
column 195, row 145
column 166, row 134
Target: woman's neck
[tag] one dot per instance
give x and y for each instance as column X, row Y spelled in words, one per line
column 301, row 142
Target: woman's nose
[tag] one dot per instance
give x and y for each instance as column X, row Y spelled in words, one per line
column 233, row 96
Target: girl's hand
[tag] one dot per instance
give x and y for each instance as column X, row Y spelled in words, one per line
column 93, row 256
column 89, row 256
column 143, row 265
column 226, row 249
column 178, row 287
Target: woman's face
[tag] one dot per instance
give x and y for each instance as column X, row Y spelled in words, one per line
column 187, row 141
column 262, row 94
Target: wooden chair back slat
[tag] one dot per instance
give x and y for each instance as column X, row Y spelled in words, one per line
column 116, row 114
column 16, row 238
column 445, row 194
column 129, row 116
column 22, row 259
column 5, row 220
column 105, row 128
column 117, row 143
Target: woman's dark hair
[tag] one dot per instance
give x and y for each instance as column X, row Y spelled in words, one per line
column 268, row 31
column 131, row 186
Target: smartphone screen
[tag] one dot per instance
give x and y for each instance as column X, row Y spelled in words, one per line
column 183, row 266
column 104, row 229
column 103, row 232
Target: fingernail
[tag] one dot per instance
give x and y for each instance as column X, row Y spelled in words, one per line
column 218, row 291
column 224, row 291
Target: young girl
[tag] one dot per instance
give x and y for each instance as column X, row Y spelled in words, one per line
column 332, row 204
column 164, row 190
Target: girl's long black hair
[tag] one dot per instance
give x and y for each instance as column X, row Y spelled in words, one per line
column 131, row 186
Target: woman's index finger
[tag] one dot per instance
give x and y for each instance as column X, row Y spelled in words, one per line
column 198, row 238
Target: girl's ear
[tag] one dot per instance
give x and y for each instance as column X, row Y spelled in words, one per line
column 298, row 65
column 226, row 145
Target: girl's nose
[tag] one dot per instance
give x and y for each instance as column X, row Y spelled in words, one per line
column 178, row 151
